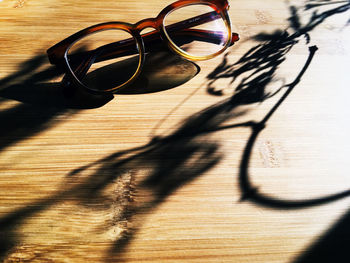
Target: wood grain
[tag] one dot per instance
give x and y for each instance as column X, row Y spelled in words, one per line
column 160, row 175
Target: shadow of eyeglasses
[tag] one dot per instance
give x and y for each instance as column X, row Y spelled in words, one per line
column 161, row 71
column 127, row 57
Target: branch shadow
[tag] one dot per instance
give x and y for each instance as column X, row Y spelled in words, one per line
column 39, row 101
column 171, row 162
column 259, row 66
column 257, row 69
column 332, row 247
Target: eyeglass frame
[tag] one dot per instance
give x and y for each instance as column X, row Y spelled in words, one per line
column 58, row 54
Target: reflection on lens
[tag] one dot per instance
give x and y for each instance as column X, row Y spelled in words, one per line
column 207, row 34
column 105, row 60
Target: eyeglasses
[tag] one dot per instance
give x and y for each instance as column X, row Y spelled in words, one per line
column 116, row 50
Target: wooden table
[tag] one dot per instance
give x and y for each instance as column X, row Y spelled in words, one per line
column 244, row 160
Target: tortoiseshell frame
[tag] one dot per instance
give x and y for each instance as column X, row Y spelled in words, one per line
column 58, row 53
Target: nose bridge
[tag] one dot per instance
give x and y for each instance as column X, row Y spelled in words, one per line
column 145, row 23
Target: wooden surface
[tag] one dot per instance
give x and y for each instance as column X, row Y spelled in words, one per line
column 187, row 173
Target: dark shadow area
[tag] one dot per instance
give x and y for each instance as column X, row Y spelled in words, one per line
column 23, row 121
column 333, row 246
column 33, row 84
column 40, row 101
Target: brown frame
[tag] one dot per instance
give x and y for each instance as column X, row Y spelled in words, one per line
column 58, row 53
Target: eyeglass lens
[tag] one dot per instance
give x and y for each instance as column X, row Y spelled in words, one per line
column 205, row 38
column 100, row 61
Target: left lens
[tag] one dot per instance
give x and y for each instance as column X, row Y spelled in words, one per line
column 197, row 30
column 104, row 60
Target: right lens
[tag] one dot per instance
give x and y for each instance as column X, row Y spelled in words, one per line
column 104, row 60
column 198, row 30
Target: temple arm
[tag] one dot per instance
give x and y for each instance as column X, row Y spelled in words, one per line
column 152, row 41
column 125, row 47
